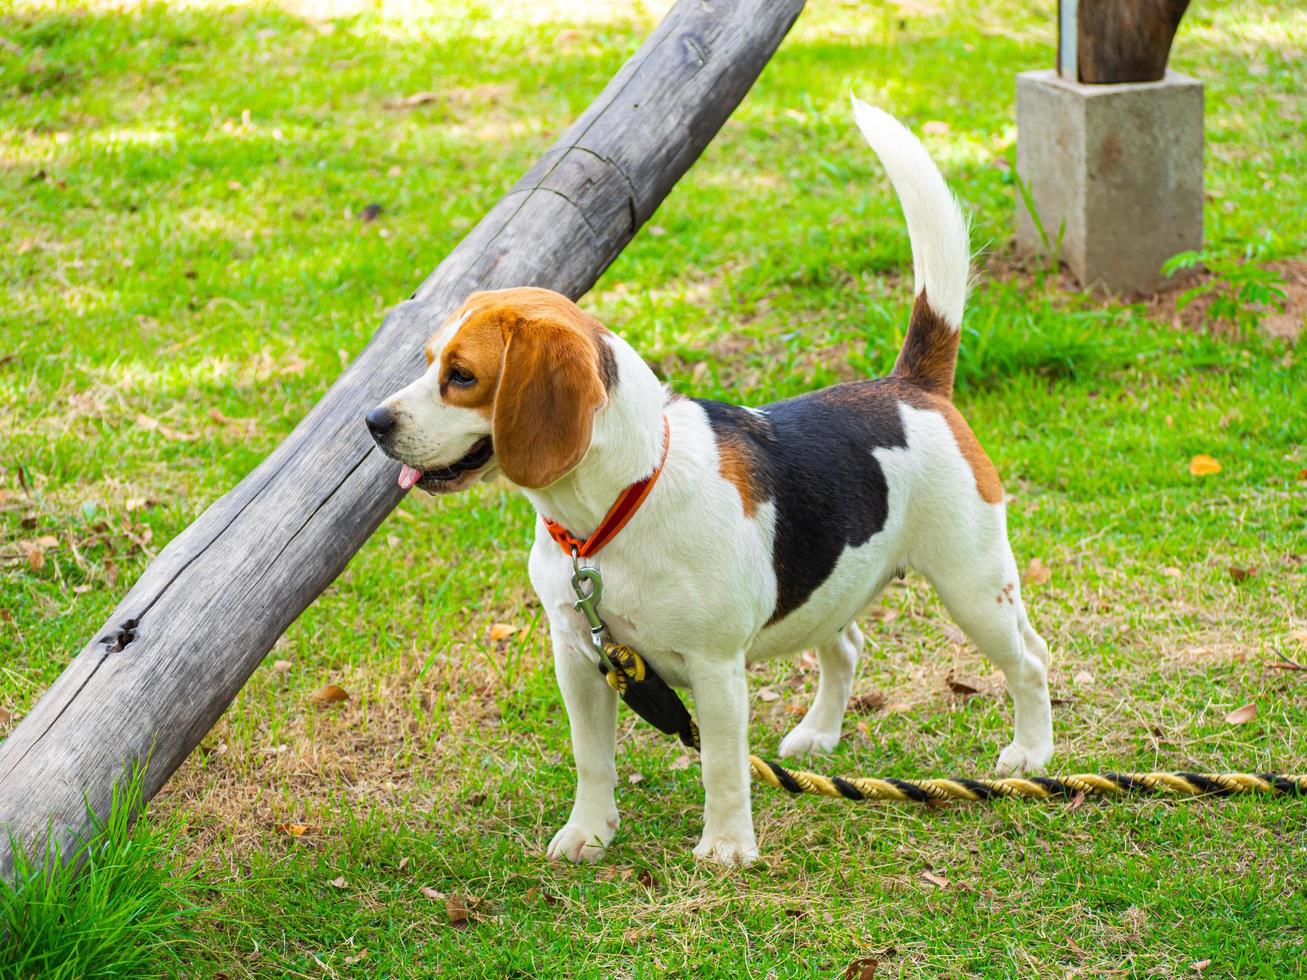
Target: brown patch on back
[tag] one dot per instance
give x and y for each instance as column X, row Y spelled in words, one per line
column 735, row 461
column 987, row 482
column 930, row 350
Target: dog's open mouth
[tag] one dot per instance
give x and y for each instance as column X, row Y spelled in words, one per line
column 439, row 480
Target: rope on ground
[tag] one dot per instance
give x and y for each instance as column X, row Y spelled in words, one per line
column 650, row 697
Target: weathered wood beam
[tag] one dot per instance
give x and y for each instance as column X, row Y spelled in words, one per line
column 207, row 609
column 1104, row 42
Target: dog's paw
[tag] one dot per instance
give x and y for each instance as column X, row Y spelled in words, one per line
column 728, row 850
column 1017, row 760
column 802, row 741
column 580, row 845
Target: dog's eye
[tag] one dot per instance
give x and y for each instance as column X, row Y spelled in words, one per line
column 457, row 376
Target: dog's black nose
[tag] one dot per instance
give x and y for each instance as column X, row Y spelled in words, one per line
column 380, row 422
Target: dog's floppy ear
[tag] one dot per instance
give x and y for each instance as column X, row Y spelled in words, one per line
column 550, row 387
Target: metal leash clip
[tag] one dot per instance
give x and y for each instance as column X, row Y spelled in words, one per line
column 587, row 602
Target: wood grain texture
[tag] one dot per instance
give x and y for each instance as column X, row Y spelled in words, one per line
column 214, row 601
column 1124, row 40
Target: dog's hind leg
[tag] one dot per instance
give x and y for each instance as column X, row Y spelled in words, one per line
column 819, row 731
column 982, row 591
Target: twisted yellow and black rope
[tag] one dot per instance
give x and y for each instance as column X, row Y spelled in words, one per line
column 650, row 697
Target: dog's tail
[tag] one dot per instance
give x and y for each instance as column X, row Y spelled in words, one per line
column 940, row 252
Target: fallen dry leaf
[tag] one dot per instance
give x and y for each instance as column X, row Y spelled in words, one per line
column 358, row 957
column 281, row 666
column 6, row 716
column 1171, row 571
column 954, row 635
column 1242, row 715
column 1203, row 465
column 403, row 863
column 1198, row 966
column 1037, row 573
column 292, row 829
column 1242, row 574
column 1083, row 677
column 681, row 762
column 768, row 694
column 960, row 686
column 1077, row 802
column 227, row 420
column 862, row 969
column 644, row 877
column 456, row 909
column 431, row 893
column 935, row 127
column 501, row 631
column 1284, row 665
column 871, row 701
column 412, row 101
column 154, row 425
column 807, row 660
column 635, row 778
column 1300, row 636
column 329, row 695
column 35, row 556
column 339, row 882
column 939, row 881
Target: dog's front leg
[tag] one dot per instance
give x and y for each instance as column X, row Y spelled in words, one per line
column 592, row 712
column 721, row 698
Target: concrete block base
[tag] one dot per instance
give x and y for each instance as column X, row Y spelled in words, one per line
column 1115, row 170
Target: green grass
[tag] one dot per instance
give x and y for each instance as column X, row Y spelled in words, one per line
column 178, row 198
column 124, row 915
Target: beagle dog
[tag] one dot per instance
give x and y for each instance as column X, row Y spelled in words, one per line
column 758, row 532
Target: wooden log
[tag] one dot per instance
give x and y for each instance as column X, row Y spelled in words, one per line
column 153, row 680
column 1103, row 42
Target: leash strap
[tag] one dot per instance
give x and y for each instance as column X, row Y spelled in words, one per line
column 648, row 696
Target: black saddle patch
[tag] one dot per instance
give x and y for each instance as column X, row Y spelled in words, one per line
column 814, row 460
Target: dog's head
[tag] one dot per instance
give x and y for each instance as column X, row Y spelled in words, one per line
column 513, row 381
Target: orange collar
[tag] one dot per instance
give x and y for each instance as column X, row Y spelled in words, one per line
column 623, row 509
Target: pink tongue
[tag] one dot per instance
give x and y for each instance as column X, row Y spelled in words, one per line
column 408, row 476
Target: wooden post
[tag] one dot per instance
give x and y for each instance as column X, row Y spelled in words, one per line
column 1103, row 42
column 153, row 680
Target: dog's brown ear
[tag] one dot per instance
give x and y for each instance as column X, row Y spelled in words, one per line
column 550, row 386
